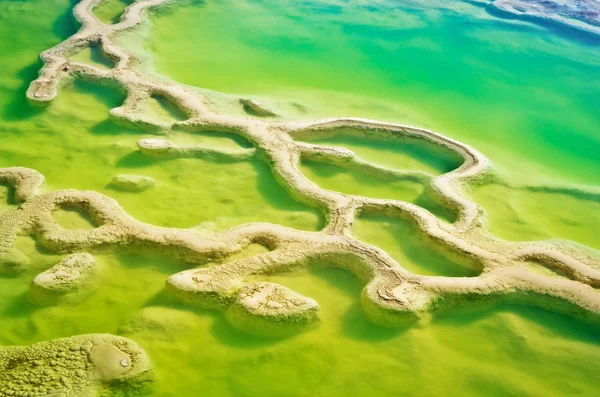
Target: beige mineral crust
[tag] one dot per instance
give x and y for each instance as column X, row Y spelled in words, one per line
column 391, row 296
column 269, row 309
column 78, row 366
column 162, row 148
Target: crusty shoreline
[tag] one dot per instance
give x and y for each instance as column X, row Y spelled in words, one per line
column 391, row 296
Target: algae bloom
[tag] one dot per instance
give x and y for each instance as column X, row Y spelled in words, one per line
column 241, row 198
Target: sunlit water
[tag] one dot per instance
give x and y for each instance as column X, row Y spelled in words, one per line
column 525, row 97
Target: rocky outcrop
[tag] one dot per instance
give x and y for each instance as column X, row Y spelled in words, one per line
column 13, row 262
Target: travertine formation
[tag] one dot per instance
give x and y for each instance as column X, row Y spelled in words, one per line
column 163, row 148
column 78, row 366
column 391, row 296
column 271, row 309
column 69, row 277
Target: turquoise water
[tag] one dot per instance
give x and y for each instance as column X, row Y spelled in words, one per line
column 524, row 96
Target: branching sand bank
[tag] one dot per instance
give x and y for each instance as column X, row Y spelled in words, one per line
column 391, row 295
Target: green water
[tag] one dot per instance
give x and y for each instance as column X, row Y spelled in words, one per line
column 71, row 218
column 109, row 11
column 403, row 155
column 355, row 182
column 161, row 110
column 93, row 56
column 81, row 148
column 523, row 96
column 530, row 215
column 402, row 240
column 507, row 350
column 515, row 91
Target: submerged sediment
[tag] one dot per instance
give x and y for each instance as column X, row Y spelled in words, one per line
column 69, row 274
column 132, row 183
column 392, row 295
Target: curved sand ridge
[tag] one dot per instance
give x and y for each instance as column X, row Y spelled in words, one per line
column 392, row 295
column 72, row 367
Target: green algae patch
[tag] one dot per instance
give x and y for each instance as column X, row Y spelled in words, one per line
column 388, row 62
column 345, row 344
column 85, row 150
column 94, row 56
column 336, row 178
column 73, row 218
column 192, row 191
column 523, row 215
column 250, row 250
column 13, row 262
column 416, row 357
column 92, row 311
column 160, row 323
column 543, row 269
column 40, row 259
column 406, row 244
column 450, row 348
column 159, row 109
column 26, row 258
column 110, row 11
column 372, row 184
column 396, row 153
